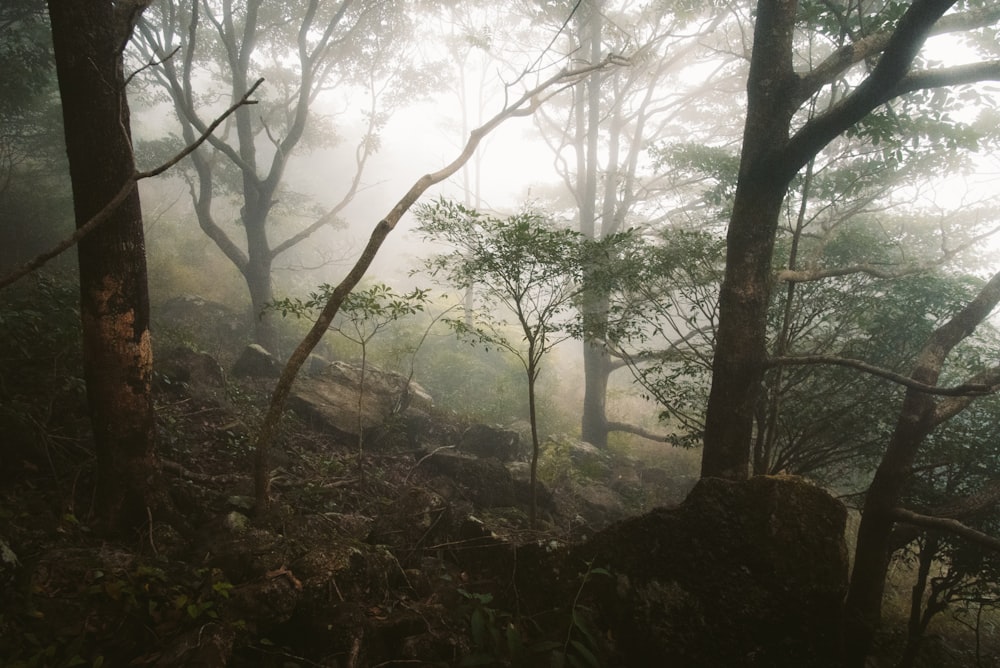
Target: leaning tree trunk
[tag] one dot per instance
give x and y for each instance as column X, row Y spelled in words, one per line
column 918, row 416
column 88, row 38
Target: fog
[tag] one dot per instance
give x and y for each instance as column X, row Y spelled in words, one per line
column 657, row 133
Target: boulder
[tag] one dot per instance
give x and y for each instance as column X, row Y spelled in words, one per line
column 485, row 441
column 329, row 400
column 184, row 365
column 583, row 458
column 208, row 322
column 256, row 362
column 749, row 573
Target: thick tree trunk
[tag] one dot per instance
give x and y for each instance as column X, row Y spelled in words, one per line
column 597, row 369
column 258, row 280
column 114, row 304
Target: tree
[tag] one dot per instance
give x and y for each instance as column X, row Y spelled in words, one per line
column 921, row 412
column 524, row 267
column 772, row 155
column 601, row 144
column 365, row 314
column 777, row 144
column 523, row 105
column 323, row 45
column 114, row 305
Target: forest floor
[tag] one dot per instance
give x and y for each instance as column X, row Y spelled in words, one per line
column 363, row 561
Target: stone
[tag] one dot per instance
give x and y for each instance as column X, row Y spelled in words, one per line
column 183, row 364
column 749, row 573
column 329, row 400
column 485, row 441
column 256, row 362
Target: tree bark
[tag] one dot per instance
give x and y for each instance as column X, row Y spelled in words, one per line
column 88, row 39
column 738, row 366
column 770, row 159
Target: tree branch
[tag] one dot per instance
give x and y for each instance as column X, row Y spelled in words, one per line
column 627, row 428
column 971, row 389
column 948, row 525
column 120, row 197
column 876, row 271
column 871, row 45
column 897, row 57
column 947, row 76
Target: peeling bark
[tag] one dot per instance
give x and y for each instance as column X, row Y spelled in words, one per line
column 114, row 301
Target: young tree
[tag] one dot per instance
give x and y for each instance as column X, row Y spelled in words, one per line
column 521, row 266
column 88, row 39
column 523, row 105
column 365, row 313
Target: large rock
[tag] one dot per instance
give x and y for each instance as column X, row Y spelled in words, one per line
column 485, row 441
column 743, row 574
column 210, row 323
column 329, row 400
column 184, row 365
column 256, row 362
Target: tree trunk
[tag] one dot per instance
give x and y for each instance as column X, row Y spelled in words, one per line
column 88, row 39
column 917, row 624
column 919, row 414
column 596, row 370
column 596, row 367
column 741, row 339
column 258, row 280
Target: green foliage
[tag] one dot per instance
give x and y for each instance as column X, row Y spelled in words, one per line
column 520, row 264
column 363, row 314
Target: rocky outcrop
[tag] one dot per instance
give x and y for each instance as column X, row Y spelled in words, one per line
column 335, row 401
column 741, row 574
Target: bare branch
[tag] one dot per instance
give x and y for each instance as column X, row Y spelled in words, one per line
column 948, row 525
column 120, row 197
column 971, row 389
column 627, row 428
column 948, row 76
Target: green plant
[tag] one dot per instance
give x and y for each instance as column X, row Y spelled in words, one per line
column 364, row 314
